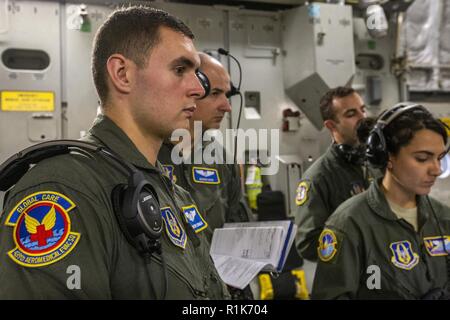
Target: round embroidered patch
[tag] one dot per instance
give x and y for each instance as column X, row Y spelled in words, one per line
column 42, row 229
column 327, row 245
column 302, row 193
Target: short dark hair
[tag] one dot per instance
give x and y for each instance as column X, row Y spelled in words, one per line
column 326, row 103
column 402, row 129
column 132, row 32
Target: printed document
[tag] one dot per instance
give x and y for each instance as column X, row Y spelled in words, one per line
column 241, row 250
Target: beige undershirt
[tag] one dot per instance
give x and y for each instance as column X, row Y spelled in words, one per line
column 409, row 215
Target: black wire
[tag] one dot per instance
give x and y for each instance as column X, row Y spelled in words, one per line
column 148, row 260
column 237, row 127
column 240, row 71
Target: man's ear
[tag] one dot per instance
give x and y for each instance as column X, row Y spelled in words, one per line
column 118, row 68
column 390, row 162
column 330, row 125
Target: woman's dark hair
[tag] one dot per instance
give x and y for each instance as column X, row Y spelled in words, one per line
column 401, row 130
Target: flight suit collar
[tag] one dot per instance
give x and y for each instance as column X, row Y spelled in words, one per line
column 336, row 156
column 109, row 134
column 378, row 203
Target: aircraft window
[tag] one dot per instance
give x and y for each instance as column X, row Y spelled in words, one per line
column 25, row 59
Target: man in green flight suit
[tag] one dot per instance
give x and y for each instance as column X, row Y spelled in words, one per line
column 60, row 237
column 215, row 187
column 335, row 176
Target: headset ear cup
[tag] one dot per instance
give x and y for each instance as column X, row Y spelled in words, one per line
column 117, row 199
column 138, row 212
column 150, row 208
column 376, row 152
column 204, row 81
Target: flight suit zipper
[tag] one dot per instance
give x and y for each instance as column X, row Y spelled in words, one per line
column 170, row 190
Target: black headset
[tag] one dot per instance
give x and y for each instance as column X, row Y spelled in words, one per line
column 353, row 155
column 378, row 156
column 376, row 149
column 204, row 81
column 135, row 203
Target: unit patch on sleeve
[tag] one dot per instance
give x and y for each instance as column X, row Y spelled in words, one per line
column 174, row 230
column 42, row 229
column 403, row 256
column 302, row 193
column 327, row 245
column 435, row 246
column 194, row 218
column 205, row 175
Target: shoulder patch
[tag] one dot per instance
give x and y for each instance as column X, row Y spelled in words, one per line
column 169, row 172
column 327, row 245
column 174, row 229
column 194, row 218
column 403, row 256
column 42, row 229
column 302, row 193
column 357, row 187
column 205, row 175
column 435, row 246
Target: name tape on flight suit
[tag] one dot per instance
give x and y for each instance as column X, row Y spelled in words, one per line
column 435, row 246
column 205, row 175
column 194, row 218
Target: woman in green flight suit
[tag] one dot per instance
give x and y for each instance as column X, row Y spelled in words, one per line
column 392, row 241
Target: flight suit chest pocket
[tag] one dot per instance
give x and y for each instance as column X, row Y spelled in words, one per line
column 206, row 186
column 181, row 283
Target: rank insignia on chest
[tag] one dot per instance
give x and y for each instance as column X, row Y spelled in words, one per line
column 403, row 256
column 169, row 172
column 435, row 246
column 205, row 175
column 174, row 229
column 302, row 193
column 194, row 218
column 42, row 229
column 327, row 245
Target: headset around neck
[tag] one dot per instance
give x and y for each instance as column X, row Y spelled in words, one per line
column 135, row 204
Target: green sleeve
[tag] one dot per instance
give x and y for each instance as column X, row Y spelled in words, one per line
column 238, row 208
column 90, row 258
column 338, row 269
column 312, row 212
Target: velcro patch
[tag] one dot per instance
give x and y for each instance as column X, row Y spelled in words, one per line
column 194, row 218
column 42, row 229
column 435, row 246
column 302, row 193
column 174, row 230
column 205, row 175
column 169, row 171
column 403, row 256
column 327, row 245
